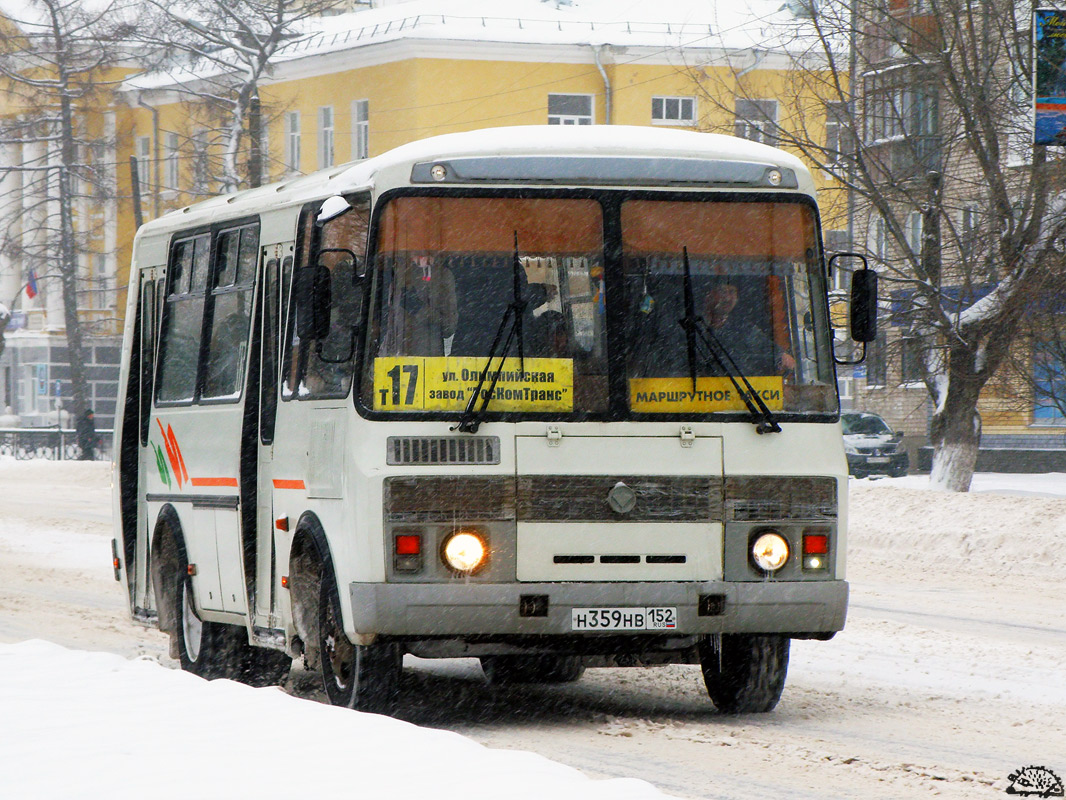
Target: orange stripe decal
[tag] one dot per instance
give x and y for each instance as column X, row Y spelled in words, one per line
column 287, row 484
column 214, row 482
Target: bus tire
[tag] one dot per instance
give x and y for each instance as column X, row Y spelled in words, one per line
column 214, row 650
column 744, row 673
column 263, row 667
column 504, row 670
column 208, row 649
column 363, row 677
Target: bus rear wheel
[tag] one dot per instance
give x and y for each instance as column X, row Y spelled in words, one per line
column 744, row 673
column 502, row 670
column 363, row 677
column 208, row 649
column 214, row 650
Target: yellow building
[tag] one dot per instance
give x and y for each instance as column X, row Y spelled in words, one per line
column 360, row 83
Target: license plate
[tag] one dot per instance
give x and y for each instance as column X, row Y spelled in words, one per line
column 877, row 460
column 623, row 619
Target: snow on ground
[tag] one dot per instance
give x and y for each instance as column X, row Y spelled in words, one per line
column 950, row 675
column 79, row 724
column 94, row 725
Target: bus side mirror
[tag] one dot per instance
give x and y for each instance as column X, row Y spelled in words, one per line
column 331, row 208
column 313, row 302
column 864, row 305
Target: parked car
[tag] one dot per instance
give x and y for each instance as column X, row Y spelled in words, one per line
column 872, row 447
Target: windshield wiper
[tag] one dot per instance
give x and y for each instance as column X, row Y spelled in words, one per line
column 698, row 330
column 471, row 419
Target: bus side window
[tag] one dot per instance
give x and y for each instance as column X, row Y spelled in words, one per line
column 183, row 313
column 237, row 252
column 328, row 364
column 268, row 383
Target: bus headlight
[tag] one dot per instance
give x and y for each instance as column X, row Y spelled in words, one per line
column 770, row 551
column 465, row 551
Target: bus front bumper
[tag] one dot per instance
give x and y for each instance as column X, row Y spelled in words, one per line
column 430, row 610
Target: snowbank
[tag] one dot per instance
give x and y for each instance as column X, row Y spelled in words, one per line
column 1008, row 526
column 94, row 725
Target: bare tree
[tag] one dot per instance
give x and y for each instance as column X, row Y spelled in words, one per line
column 919, row 110
column 216, row 53
column 55, row 60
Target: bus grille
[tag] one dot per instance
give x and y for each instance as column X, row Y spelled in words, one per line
column 581, row 498
column 759, row 499
column 438, row 451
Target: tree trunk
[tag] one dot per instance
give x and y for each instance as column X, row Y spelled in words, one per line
column 955, row 431
column 68, row 256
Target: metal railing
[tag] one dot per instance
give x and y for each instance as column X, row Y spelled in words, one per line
column 53, row 444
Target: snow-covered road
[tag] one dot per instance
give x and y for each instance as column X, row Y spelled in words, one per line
column 951, row 673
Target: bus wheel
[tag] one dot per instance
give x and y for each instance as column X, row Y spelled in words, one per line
column 208, row 649
column 502, row 670
column 744, row 673
column 263, row 667
column 363, row 677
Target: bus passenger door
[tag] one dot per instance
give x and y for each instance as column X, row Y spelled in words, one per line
column 136, row 454
column 276, row 265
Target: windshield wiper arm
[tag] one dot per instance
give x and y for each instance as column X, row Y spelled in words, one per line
column 470, row 420
column 696, row 328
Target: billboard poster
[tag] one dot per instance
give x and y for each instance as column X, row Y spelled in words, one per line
column 1049, row 70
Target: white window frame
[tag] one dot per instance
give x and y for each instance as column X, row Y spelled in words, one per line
column 915, row 224
column 171, row 162
column 292, row 141
column 360, row 129
column 572, row 119
column 764, row 129
column 326, row 130
column 144, row 158
column 968, row 230
column 673, row 110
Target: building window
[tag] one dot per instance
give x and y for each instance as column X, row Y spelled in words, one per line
column 569, row 109
column 144, row 158
column 837, row 242
column 756, row 120
column 673, row 110
column 1049, row 380
column 839, row 138
column 876, row 363
column 325, row 137
column 914, row 233
column 878, row 240
column 170, row 161
column 896, row 107
column 292, row 141
column 360, row 129
column 968, row 232
column 910, row 362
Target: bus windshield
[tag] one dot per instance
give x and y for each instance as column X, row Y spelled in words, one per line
column 756, row 283
column 448, row 269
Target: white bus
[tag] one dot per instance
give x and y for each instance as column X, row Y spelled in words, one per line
column 549, row 397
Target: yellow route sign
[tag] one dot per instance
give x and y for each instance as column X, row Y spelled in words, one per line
column 676, row 396
column 441, row 383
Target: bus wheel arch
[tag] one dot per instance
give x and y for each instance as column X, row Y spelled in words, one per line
column 309, row 557
column 168, row 553
column 360, row 676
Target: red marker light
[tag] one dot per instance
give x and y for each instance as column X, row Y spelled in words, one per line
column 408, row 544
column 815, row 544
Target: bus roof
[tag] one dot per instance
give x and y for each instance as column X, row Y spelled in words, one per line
column 537, row 143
